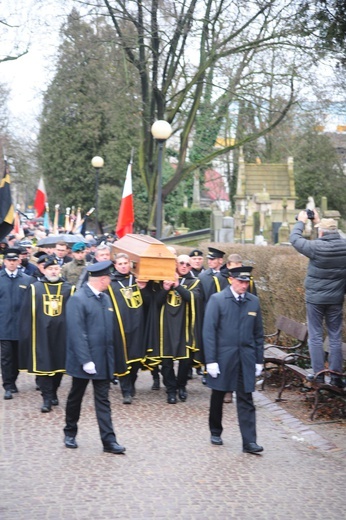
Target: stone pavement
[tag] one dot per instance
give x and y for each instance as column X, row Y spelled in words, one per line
column 170, row 470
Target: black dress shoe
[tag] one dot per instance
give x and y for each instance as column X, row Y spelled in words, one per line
column 182, row 394
column 46, row 407
column 156, row 384
column 14, row 389
column 127, row 399
column 216, row 440
column 204, row 380
column 55, row 401
column 315, row 379
column 114, row 447
column 70, row 442
column 252, row 447
column 171, row 399
column 8, row 395
column 337, row 381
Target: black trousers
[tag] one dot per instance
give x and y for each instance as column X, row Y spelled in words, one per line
column 127, row 383
column 102, row 408
column 49, row 385
column 245, row 409
column 9, row 363
column 172, row 382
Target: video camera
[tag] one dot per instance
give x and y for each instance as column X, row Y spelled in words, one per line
column 310, row 214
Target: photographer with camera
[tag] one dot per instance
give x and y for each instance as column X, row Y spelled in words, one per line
column 324, row 290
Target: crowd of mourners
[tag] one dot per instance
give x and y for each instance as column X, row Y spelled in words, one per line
column 74, row 307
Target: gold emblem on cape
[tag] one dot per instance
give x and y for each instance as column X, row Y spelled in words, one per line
column 132, row 297
column 52, row 304
column 174, row 299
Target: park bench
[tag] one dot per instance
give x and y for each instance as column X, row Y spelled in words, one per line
column 318, row 387
column 289, row 339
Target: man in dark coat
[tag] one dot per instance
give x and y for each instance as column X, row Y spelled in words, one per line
column 233, row 260
column 42, row 344
column 90, row 354
column 13, row 286
column 129, row 304
column 325, row 285
column 179, row 328
column 233, row 348
column 210, row 284
column 196, row 259
column 61, row 253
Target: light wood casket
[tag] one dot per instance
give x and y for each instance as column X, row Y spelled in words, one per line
column 150, row 259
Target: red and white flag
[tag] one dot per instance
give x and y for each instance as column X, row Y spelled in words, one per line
column 40, row 199
column 126, row 215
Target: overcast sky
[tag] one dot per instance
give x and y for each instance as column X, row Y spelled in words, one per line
column 34, row 25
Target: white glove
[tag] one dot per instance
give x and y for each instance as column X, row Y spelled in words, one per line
column 259, row 369
column 89, row 368
column 213, row 369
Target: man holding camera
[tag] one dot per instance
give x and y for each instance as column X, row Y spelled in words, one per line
column 324, row 290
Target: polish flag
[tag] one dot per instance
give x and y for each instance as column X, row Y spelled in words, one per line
column 126, row 216
column 40, row 199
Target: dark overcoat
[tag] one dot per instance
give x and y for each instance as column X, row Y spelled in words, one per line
column 12, row 292
column 90, row 324
column 233, row 338
column 209, row 284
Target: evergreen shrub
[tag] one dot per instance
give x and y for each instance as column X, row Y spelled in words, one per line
column 194, row 219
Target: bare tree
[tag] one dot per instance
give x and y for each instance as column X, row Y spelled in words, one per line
column 196, row 61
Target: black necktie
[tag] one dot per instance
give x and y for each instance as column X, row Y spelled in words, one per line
column 240, row 299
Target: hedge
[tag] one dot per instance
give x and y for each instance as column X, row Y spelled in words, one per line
column 194, row 219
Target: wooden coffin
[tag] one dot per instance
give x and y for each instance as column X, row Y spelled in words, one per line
column 150, row 259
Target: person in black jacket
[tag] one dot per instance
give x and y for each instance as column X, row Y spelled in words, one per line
column 42, row 344
column 324, row 291
column 179, row 335
column 233, row 348
column 90, row 354
column 129, row 302
column 13, row 285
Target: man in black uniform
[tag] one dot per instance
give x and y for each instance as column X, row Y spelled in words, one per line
column 129, row 312
column 13, row 286
column 90, row 354
column 209, row 282
column 42, row 344
column 196, row 259
column 233, row 348
column 233, row 260
column 179, row 328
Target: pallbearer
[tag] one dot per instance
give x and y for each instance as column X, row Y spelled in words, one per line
column 42, row 344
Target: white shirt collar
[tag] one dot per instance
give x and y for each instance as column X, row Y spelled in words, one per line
column 11, row 273
column 95, row 291
column 236, row 295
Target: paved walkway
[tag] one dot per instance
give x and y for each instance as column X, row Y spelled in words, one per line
column 170, row 470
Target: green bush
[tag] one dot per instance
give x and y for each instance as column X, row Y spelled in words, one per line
column 194, row 219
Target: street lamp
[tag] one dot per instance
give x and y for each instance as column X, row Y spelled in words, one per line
column 97, row 162
column 161, row 131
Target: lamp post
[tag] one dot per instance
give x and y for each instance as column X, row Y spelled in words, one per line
column 161, row 131
column 97, row 162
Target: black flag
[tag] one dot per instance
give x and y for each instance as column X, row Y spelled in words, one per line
column 6, row 206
